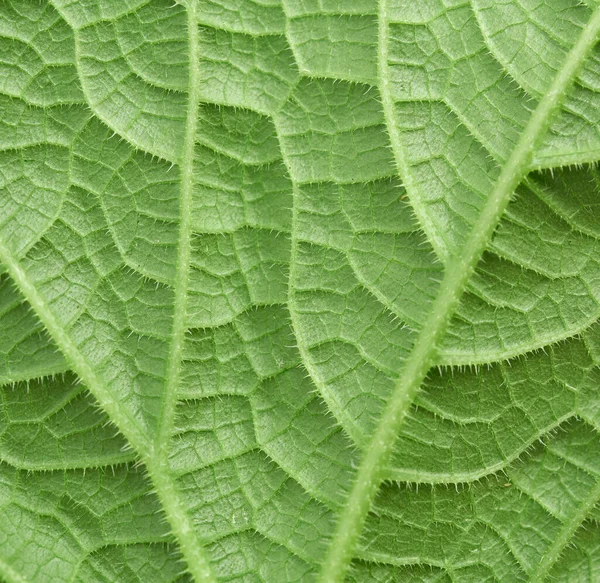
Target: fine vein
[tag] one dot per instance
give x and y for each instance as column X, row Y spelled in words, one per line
column 459, row 269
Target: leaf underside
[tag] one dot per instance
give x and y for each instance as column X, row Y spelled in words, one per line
column 314, row 258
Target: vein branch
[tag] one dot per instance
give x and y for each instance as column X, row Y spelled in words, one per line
column 565, row 535
column 154, row 453
column 387, row 104
column 9, row 574
column 459, row 269
column 126, row 423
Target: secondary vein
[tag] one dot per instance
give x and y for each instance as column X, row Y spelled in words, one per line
column 126, row 423
column 154, row 454
column 10, row 574
column 459, row 269
column 565, row 535
column 166, row 490
column 387, row 105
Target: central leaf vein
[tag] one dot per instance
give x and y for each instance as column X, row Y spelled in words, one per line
column 459, row 270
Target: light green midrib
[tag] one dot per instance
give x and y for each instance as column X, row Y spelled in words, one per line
column 183, row 526
column 458, row 271
column 166, row 420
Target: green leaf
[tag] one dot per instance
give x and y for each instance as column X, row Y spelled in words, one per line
column 260, row 258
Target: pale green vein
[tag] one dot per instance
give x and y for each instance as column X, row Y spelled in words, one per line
column 307, row 361
column 459, row 269
column 34, row 373
column 565, row 535
column 420, row 476
column 8, row 574
column 154, row 454
column 184, row 246
column 387, row 103
column 166, row 491
column 126, row 423
column 183, row 527
column 90, row 462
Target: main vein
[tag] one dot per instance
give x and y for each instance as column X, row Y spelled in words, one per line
column 171, row 500
column 184, row 245
column 459, row 269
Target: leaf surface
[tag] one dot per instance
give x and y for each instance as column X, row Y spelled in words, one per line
column 223, row 225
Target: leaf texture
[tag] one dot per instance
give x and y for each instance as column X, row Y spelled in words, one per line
column 223, row 225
